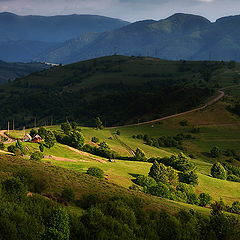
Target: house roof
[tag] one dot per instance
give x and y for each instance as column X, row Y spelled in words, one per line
column 28, row 136
column 37, row 137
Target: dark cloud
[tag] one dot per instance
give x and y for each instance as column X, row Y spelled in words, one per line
column 131, row 10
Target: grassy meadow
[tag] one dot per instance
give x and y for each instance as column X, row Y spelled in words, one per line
column 214, row 131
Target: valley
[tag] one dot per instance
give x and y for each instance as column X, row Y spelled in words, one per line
column 134, row 133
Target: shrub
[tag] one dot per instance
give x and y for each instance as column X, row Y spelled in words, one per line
column 118, row 132
column 35, row 183
column 14, row 186
column 145, row 181
column 184, row 123
column 36, row 156
column 42, row 132
column 235, row 207
column 95, row 140
column 233, row 178
column 189, row 178
column 204, row 199
column 41, row 147
column 13, row 149
column 139, row 155
column 96, row 172
column 49, row 138
column 179, row 162
column 33, row 132
column 20, row 146
column 66, row 127
column 68, row 194
column 218, row 171
column 195, row 130
column 215, row 152
column 162, row 173
column 2, row 146
column 76, row 139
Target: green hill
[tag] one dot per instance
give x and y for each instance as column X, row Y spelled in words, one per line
column 118, row 89
column 11, row 71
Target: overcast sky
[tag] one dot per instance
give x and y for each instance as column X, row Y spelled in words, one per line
column 131, row 10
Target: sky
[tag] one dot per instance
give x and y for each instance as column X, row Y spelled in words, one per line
column 130, row 10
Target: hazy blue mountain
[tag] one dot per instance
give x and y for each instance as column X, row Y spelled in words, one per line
column 11, row 71
column 53, row 29
column 181, row 36
column 22, row 38
column 23, row 51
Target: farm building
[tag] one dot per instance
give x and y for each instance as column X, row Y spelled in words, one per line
column 27, row 138
column 37, row 139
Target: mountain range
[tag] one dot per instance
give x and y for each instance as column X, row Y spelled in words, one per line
column 23, row 38
column 68, row 39
column 181, row 36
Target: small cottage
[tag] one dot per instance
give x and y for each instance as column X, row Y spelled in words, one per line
column 37, row 139
column 27, row 138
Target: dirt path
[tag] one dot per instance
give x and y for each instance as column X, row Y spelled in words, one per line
column 216, row 99
column 60, row 159
column 9, row 140
column 129, row 149
column 87, row 155
column 4, row 152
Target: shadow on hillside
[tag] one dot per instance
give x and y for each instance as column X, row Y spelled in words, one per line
column 206, row 154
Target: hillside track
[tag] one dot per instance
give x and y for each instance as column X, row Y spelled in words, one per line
column 130, row 150
column 211, row 102
column 9, row 139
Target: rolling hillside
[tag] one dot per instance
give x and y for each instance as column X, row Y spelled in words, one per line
column 181, row 36
column 118, row 89
column 11, row 71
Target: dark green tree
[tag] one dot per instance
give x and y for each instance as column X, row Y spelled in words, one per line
column 36, row 156
column 42, row 132
column 164, row 174
column 96, row 172
column 41, row 147
column 2, row 146
column 76, row 139
column 68, row 194
column 20, row 146
column 218, row 171
column 98, row 123
column 189, row 178
column 14, row 186
column 215, row 152
column 66, row 127
column 57, row 225
column 139, row 155
column 95, row 139
column 49, row 139
column 204, row 199
column 33, row 133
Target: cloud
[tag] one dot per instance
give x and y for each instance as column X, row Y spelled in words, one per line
column 131, row 10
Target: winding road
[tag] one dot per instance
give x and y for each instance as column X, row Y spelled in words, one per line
column 216, row 99
column 3, row 135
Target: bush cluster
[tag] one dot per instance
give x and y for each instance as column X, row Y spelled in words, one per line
column 164, row 141
column 164, row 181
column 101, row 150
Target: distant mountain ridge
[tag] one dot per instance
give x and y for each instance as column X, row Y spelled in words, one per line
column 11, row 71
column 23, row 38
column 181, row 36
column 53, row 28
